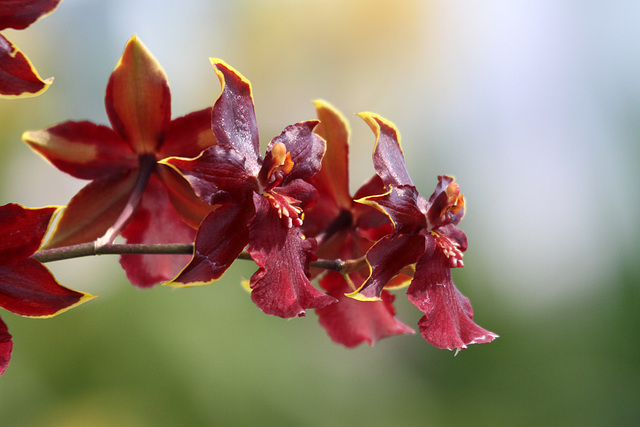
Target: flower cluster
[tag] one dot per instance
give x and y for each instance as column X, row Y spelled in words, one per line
column 201, row 180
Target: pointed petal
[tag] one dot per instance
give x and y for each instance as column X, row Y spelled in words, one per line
column 187, row 204
column 220, row 239
column 332, row 181
column 217, row 175
column 350, row 322
column 18, row 77
column 400, row 204
column 155, row 221
column 306, row 150
column 388, row 159
column 448, row 320
column 386, row 258
column 234, row 119
column 84, row 150
column 188, row 135
column 27, row 288
column 19, row 14
column 281, row 286
column 137, row 99
column 92, row 210
column 6, row 345
column 22, row 230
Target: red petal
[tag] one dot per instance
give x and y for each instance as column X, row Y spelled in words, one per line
column 220, row 239
column 19, row 14
column 386, row 258
column 401, row 205
column 281, row 286
column 83, row 149
column 18, row 77
column 448, row 320
column 187, row 136
column 350, row 322
column 22, row 230
column 217, row 175
column 155, row 221
column 92, row 210
column 234, row 119
column 306, row 150
column 138, row 100
column 27, row 288
column 388, row 159
column 6, row 345
column 332, row 182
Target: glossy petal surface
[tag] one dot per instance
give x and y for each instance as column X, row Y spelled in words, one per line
column 281, row 286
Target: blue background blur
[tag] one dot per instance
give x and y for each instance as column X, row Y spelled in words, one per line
column 532, row 105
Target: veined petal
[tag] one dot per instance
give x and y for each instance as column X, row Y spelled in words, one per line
column 350, row 322
column 400, row 204
column 221, row 237
column 281, row 286
column 386, row 258
column 155, row 221
column 388, row 159
column 6, row 345
column 188, row 135
column 332, row 181
column 83, row 149
column 137, row 100
column 92, row 210
column 27, row 288
column 234, row 119
column 448, row 320
column 19, row 14
column 217, row 175
column 305, row 148
column 22, row 230
column 187, row 204
column 18, row 77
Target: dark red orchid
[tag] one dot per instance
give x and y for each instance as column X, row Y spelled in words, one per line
column 130, row 191
column 426, row 233
column 345, row 229
column 27, row 288
column 18, row 77
column 257, row 202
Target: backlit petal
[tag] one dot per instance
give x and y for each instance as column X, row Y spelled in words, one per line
column 137, row 100
column 83, row 149
column 155, row 222
column 22, row 230
column 350, row 322
column 92, row 210
column 27, row 288
column 18, row 77
column 188, row 135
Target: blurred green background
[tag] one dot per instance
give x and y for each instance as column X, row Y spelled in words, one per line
column 532, row 105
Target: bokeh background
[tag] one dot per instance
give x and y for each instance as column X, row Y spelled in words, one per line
column 532, row 105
